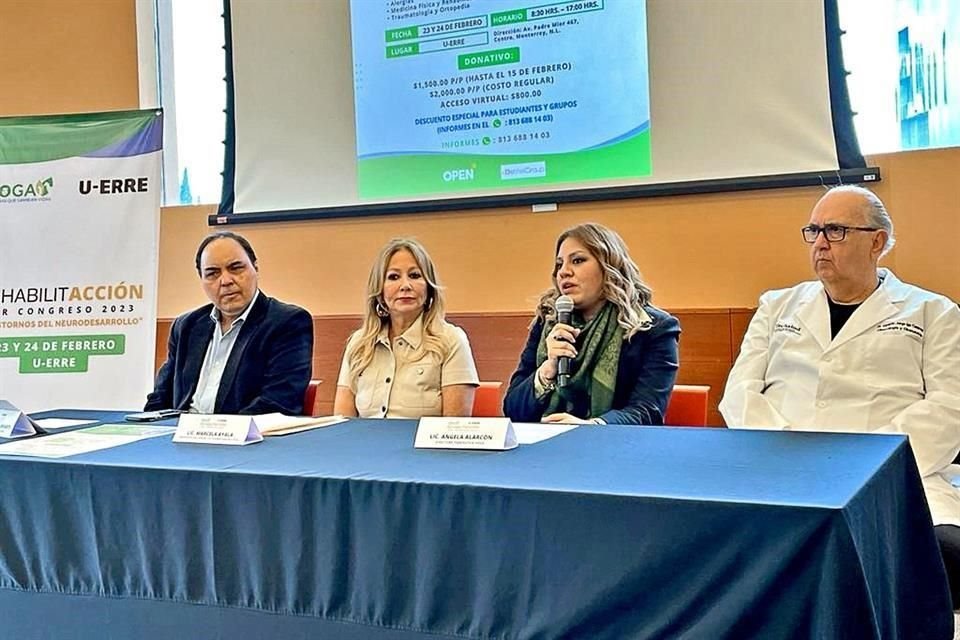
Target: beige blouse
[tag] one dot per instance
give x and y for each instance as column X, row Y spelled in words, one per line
column 404, row 380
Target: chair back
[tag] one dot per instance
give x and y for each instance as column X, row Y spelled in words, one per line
column 310, row 399
column 687, row 406
column 486, row 400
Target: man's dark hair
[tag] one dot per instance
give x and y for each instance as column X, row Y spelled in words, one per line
column 243, row 242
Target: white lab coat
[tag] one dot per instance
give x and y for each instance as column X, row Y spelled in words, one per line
column 894, row 367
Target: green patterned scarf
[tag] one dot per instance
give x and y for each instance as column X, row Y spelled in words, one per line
column 597, row 361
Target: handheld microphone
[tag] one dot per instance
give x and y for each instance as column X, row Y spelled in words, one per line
column 564, row 307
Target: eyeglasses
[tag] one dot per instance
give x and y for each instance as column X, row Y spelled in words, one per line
column 832, row 232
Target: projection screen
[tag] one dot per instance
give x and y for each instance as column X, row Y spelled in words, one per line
column 360, row 107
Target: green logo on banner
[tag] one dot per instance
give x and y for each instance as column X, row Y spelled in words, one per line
column 60, row 354
column 40, row 189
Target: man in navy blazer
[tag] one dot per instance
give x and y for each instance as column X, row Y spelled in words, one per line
column 245, row 353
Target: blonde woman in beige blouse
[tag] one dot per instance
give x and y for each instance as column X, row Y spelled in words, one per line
column 405, row 361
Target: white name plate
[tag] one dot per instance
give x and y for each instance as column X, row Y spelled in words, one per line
column 16, row 424
column 491, row 434
column 198, row 428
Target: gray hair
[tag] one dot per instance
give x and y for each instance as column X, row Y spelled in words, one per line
column 874, row 213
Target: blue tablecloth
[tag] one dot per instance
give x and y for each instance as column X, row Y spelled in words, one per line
column 348, row 532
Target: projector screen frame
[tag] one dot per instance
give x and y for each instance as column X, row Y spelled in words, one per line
column 852, row 166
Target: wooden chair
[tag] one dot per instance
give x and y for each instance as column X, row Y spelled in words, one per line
column 486, row 400
column 687, row 406
column 310, row 398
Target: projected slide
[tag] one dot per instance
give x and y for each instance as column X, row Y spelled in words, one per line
column 467, row 95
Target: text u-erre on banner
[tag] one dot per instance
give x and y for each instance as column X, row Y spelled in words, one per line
column 79, row 331
column 488, row 434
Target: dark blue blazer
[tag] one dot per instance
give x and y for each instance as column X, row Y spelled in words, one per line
column 645, row 378
column 268, row 369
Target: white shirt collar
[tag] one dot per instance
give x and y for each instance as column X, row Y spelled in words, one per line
column 215, row 313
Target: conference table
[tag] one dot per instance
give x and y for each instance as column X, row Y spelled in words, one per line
column 349, row 532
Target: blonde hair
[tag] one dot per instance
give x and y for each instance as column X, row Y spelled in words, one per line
column 622, row 283
column 361, row 354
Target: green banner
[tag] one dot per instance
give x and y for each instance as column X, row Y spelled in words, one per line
column 79, row 211
column 60, row 354
column 27, row 139
column 407, row 33
column 508, row 17
column 398, row 50
column 392, row 176
column 488, row 58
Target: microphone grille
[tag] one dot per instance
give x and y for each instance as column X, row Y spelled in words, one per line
column 563, row 304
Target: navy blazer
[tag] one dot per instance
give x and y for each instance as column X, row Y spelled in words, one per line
column 645, row 377
column 268, row 369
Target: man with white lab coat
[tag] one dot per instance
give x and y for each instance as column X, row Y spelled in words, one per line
column 858, row 350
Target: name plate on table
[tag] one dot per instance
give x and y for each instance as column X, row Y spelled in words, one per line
column 491, row 434
column 198, row 428
column 16, row 424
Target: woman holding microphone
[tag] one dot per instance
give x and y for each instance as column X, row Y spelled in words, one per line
column 615, row 361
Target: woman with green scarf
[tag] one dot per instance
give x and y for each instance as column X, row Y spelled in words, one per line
column 622, row 350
